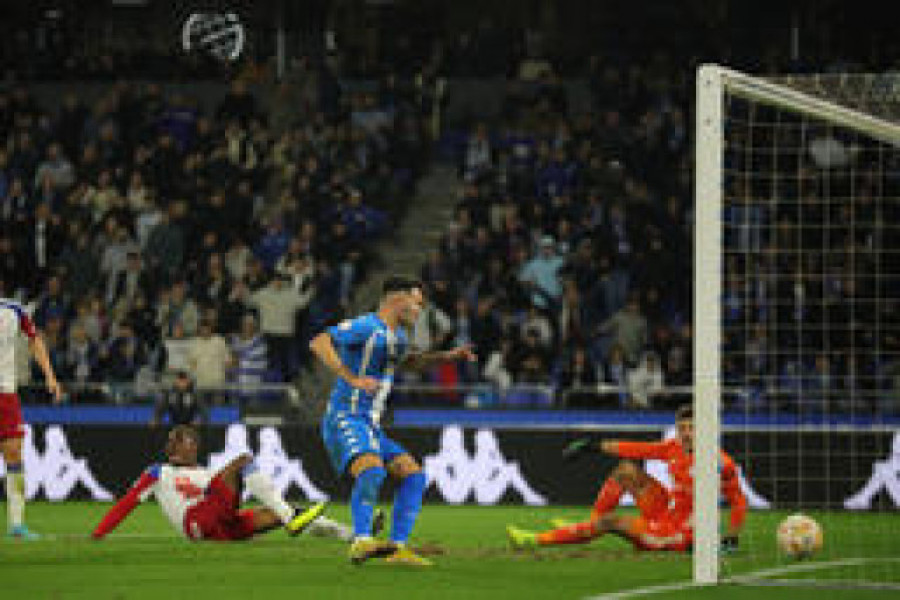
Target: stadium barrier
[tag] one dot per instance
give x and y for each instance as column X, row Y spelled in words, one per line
column 482, row 465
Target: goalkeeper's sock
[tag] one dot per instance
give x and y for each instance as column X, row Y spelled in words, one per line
column 407, row 504
column 261, row 487
column 363, row 499
column 15, row 496
column 607, row 499
column 579, row 533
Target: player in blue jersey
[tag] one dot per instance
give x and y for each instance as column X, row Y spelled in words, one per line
column 365, row 353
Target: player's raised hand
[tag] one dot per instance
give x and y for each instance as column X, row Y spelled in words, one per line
column 366, row 384
column 578, row 448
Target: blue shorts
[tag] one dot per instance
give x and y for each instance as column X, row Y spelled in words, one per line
column 348, row 436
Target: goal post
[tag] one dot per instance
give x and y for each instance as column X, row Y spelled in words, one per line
column 797, row 229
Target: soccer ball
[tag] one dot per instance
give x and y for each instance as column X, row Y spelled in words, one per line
column 799, row 536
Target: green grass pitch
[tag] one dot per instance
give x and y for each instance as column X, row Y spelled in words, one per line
column 145, row 559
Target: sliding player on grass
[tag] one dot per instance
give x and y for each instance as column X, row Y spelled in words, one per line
column 364, row 353
column 202, row 504
column 665, row 515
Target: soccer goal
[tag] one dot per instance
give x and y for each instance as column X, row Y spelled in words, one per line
column 797, row 321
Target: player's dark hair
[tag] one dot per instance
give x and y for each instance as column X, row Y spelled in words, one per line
column 400, row 283
column 685, row 413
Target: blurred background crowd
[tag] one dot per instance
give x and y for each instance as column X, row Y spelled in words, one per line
column 155, row 229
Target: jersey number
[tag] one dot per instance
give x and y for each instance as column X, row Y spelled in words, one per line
column 186, row 488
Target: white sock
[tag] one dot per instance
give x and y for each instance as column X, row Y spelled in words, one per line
column 15, row 498
column 325, row 527
column 260, row 487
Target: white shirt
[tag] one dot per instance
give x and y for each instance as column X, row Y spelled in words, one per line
column 177, row 489
column 13, row 319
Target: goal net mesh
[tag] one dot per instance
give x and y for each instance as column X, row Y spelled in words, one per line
column 810, row 329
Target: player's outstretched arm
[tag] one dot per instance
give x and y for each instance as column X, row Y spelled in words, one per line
column 124, row 506
column 323, row 348
column 42, row 358
column 425, row 360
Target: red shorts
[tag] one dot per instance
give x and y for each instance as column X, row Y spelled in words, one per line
column 657, row 528
column 10, row 417
column 217, row 517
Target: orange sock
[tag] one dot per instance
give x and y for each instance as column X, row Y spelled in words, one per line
column 578, row 533
column 607, row 499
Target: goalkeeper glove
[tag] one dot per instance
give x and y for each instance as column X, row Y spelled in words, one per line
column 578, row 448
column 729, row 544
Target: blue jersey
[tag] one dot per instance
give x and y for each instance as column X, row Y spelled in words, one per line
column 368, row 348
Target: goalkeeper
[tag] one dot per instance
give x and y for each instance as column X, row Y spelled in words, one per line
column 664, row 521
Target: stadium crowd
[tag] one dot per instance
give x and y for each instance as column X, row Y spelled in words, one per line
column 151, row 236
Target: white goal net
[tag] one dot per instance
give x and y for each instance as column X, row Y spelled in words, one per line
column 797, row 307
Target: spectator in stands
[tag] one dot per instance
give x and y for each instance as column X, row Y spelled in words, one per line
column 130, row 281
column 123, row 359
column 55, row 169
column 645, row 381
column 179, row 308
column 278, row 304
column 179, row 404
column 250, row 353
column 540, row 275
column 615, row 373
column 498, row 368
column 578, row 372
column 176, row 352
column 53, row 303
column 538, row 324
column 165, row 249
column 79, row 264
column 209, row 358
column 44, row 238
column 81, row 364
column 628, row 328
column 531, row 360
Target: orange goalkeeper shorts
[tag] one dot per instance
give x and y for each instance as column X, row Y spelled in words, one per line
column 656, row 528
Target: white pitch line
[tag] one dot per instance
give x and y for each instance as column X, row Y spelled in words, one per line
column 648, row 591
column 743, row 578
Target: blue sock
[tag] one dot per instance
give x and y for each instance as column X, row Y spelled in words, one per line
column 363, row 499
column 407, row 504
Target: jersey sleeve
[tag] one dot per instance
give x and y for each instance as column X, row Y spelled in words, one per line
column 731, row 489
column 659, row 450
column 138, row 492
column 351, row 331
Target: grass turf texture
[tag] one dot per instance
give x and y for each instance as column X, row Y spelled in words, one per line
column 145, row 559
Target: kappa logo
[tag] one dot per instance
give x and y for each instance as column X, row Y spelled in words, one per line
column 485, row 475
column 286, row 472
column 56, row 470
column 885, row 476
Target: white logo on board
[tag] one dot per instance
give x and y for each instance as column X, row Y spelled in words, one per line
column 273, row 460
column 57, row 470
column 486, row 475
column 885, row 476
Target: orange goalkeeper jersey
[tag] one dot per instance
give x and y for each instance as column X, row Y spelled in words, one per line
column 680, row 466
